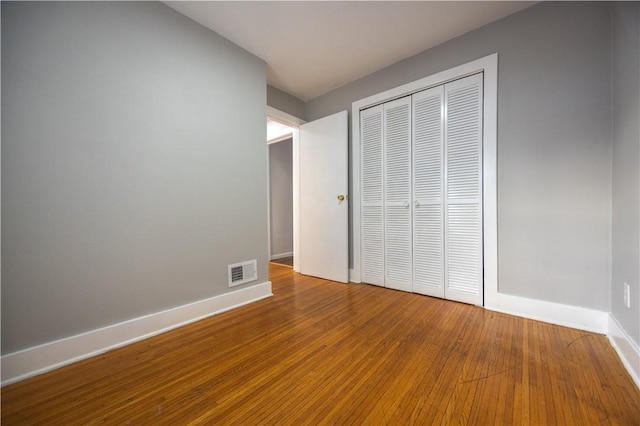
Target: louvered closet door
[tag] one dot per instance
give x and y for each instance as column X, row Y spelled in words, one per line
column 463, row 183
column 397, row 193
column 428, row 183
column 372, row 208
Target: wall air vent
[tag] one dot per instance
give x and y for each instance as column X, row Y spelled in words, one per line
column 243, row 272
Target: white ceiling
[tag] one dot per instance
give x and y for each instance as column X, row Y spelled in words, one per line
column 312, row 47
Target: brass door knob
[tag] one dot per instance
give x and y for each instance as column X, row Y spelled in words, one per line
column 340, row 197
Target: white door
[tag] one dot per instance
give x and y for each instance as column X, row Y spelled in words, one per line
column 421, row 205
column 372, row 200
column 397, row 193
column 428, row 182
column 463, row 190
column 323, row 201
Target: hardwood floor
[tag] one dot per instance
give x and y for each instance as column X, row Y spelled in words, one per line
column 320, row 352
column 287, row 261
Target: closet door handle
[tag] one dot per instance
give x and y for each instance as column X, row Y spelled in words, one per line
column 406, row 205
column 416, row 203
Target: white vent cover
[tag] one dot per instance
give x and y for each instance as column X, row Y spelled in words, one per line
column 243, row 272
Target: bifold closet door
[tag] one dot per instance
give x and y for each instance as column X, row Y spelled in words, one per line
column 386, row 227
column 421, row 174
column 463, row 190
column 428, row 183
column 372, row 207
column 397, row 194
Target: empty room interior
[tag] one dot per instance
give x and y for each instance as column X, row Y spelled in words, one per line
column 460, row 185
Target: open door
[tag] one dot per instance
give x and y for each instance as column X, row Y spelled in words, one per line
column 323, row 200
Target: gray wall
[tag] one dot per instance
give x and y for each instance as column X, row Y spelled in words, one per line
column 133, row 165
column 626, row 165
column 285, row 102
column 281, row 196
column 554, row 143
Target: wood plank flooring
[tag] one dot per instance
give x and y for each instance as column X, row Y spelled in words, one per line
column 287, row 261
column 320, row 352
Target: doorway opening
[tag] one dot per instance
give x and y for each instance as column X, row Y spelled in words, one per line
column 282, row 128
column 280, row 153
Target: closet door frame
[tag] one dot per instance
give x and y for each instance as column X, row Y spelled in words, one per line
column 489, row 66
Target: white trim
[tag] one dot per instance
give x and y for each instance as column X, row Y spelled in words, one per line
column 551, row 312
column 296, row 199
column 626, row 348
column 488, row 65
column 268, row 202
column 49, row 356
column 280, row 138
column 355, row 273
column 269, row 143
column 281, row 255
column 283, row 117
column 490, row 180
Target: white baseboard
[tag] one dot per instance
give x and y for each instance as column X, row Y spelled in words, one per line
column 576, row 317
column 49, row 356
column 281, row 255
column 554, row 313
column 626, row 348
column 39, row 359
